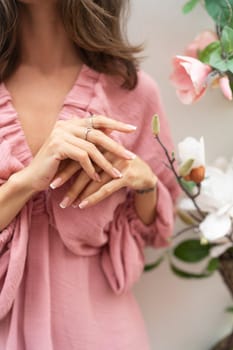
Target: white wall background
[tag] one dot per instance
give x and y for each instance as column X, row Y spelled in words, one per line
column 182, row 315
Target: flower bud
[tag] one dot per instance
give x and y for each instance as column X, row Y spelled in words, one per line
column 186, row 167
column 156, row 125
column 196, row 175
column 203, row 241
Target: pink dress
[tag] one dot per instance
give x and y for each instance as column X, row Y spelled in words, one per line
column 66, row 275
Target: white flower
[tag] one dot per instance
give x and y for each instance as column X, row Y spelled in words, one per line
column 190, row 148
column 215, row 199
column 215, row 226
column 218, row 250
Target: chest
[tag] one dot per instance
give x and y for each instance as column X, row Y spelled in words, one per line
column 38, row 103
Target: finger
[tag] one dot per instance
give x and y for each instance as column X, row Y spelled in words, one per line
column 65, row 174
column 99, row 138
column 104, row 192
column 77, row 187
column 103, row 122
column 92, row 187
column 95, row 155
column 79, row 155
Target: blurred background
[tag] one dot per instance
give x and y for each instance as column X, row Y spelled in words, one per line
column 182, row 314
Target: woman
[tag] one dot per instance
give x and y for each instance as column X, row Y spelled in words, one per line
column 81, row 194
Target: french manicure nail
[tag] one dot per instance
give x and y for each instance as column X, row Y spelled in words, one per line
column 75, row 205
column 83, row 204
column 116, row 173
column 131, row 127
column 56, row 183
column 65, row 202
column 130, row 155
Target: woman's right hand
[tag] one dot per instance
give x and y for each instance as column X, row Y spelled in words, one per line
column 68, row 141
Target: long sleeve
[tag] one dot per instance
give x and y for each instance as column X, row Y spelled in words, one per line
column 123, row 258
column 13, row 239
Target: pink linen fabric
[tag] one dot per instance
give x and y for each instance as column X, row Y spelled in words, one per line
column 66, row 275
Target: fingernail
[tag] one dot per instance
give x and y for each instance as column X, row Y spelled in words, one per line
column 75, row 205
column 65, row 202
column 97, row 177
column 130, row 155
column 131, row 127
column 83, row 204
column 56, row 183
column 116, row 173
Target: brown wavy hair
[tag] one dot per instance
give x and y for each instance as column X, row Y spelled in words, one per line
column 97, row 27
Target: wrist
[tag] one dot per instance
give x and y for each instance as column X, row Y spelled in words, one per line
column 22, row 181
column 148, row 185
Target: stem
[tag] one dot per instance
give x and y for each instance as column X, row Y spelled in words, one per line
column 186, row 229
column 178, row 178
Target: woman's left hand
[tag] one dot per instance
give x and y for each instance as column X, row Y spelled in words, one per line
column 84, row 192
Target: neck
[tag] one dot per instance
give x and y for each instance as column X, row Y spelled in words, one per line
column 44, row 42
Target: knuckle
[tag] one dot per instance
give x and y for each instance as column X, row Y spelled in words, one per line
column 98, row 133
column 83, row 156
column 55, row 142
column 106, row 191
column 60, row 124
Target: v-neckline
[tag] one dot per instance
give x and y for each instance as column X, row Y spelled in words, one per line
column 59, row 114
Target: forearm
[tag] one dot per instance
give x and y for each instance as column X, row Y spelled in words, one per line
column 14, row 194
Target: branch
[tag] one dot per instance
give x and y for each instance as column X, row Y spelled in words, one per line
column 178, row 178
column 186, row 229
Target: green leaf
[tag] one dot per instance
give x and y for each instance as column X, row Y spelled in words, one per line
column 216, row 61
column 188, row 185
column 213, row 265
column 221, row 11
column 189, row 6
column 154, row 265
column 187, row 275
column 229, row 309
column 205, row 54
column 227, row 40
column 230, row 65
column 191, row 251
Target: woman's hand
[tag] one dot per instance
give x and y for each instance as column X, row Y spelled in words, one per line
column 69, row 140
column 136, row 174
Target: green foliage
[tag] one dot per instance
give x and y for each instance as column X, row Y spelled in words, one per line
column 213, row 265
column 221, row 11
column 187, row 275
column 215, row 54
column 189, row 6
column 227, row 40
column 205, row 54
column 154, row 265
column 229, row 309
column 191, row 251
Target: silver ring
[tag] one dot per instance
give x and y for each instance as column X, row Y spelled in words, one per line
column 86, row 133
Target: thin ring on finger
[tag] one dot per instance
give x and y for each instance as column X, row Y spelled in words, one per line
column 87, row 130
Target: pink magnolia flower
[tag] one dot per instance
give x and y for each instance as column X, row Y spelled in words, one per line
column 189, row 78
column 224, row 85
column 200, row 43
